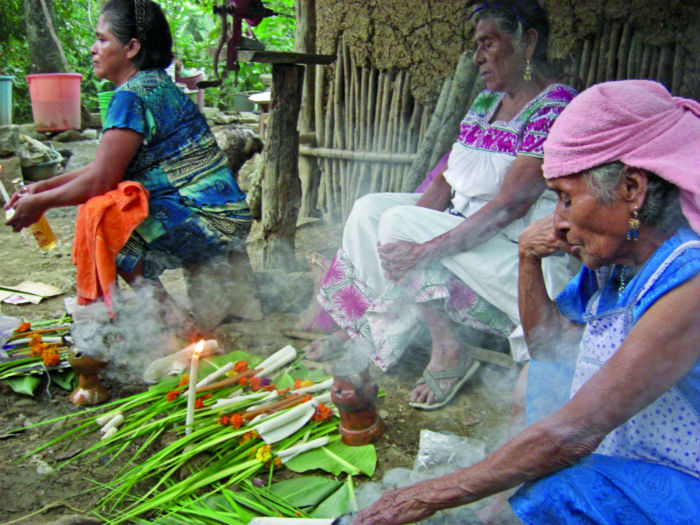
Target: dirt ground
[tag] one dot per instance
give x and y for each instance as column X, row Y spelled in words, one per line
column 33, row 493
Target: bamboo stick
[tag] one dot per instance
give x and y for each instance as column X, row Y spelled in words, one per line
column 592, row 68
column 585, row 59
column 623, row 50
column 613, row 46
column 228, row 381
column 338, row 128
column 677, row 73
column 287, row 402
column 662, row 68
column 393, row 129
column 633, row 62
column 603, row 51
column 421, row 166
column 654, row 63
column 318, row 131
column 646, row 59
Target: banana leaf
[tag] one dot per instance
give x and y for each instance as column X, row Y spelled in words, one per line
column 306, row 491
column 336, row 458
column 338, row 503
column 24, row 384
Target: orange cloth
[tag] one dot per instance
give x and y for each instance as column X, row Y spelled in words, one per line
column 102, row 228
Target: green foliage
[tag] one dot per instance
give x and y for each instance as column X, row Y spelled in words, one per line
column 195, row 28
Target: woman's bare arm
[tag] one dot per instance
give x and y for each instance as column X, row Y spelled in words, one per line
column 521, row 188
column 114, row 153
column 659, row 350
column 548, row 334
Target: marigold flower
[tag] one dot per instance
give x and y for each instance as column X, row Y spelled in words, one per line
column 243, row 381
column 198, row 403
column 255, row 383
column 236, row 421
column 240, row 366
column 278, row 462
column 172, row 395
column 35, row 340
column 185, row 380
column 51, row 358
column 264, row 454
column 23, row 327
column 322, row 412
column 223, row 420
column 248, row 436
column 297, row 383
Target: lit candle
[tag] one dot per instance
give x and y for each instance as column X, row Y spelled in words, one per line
column 192, row 391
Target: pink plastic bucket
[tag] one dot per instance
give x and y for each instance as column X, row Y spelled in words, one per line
column 55, row 100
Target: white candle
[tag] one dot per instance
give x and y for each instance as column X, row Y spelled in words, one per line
column 192, row 391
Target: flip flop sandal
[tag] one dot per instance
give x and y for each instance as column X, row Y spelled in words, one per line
column 328, row 348
column 461, row 372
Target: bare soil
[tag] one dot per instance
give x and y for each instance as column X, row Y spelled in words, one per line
column 34, row 493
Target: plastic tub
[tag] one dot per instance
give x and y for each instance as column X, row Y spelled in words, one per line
column 5, row 99
column 55, row 100
column 103, row 99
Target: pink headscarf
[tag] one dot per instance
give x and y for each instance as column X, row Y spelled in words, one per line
column 640, row 124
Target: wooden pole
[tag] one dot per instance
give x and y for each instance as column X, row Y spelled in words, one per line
column 281, row 189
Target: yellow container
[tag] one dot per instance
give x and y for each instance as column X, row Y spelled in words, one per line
column 43, row 234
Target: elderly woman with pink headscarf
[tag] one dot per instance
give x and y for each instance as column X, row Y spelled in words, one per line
column 624, row 447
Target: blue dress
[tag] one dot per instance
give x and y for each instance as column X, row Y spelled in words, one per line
column 648, row 469
column 196, row 209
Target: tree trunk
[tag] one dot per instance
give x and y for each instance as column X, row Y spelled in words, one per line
column 281, row 190
column 45, row 50
column 305, row 42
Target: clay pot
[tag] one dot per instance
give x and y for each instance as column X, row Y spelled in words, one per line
column 89, row 391
column 355, row 395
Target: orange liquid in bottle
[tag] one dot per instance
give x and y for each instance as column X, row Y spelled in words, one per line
column 43, row 234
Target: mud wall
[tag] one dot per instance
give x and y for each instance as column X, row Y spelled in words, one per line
column 427, row 37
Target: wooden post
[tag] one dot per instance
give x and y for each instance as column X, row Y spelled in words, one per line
column 305, row 42
column 281, row 189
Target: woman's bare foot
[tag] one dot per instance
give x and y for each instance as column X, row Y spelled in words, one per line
column 441, row 361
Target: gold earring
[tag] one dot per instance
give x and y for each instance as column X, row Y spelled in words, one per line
column 633, row 227
column 527, row 74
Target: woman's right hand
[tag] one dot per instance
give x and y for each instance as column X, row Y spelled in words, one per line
column 541, row 239
column 27, row 210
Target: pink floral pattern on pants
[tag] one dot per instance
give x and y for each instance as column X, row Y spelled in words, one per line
column 389, row 321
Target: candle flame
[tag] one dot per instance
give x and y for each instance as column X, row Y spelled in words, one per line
column 199, row 347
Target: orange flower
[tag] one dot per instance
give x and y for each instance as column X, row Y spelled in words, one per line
column 172, row 395
column 51, row 358
column 243, row 381
column 198, row 403
column 283, row 391
column 35, row 340
column 297, row 383
column 185, row 380
column 255, row 383
column 278, row 462
column 269, row 388
column 322, row 412
column 223, row 420
column 236, row 421
column 249, row 435
column 24, row 327
column 240, row 366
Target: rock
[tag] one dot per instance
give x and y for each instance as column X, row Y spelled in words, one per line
column 224, row 119
column 11, row 170
column 9, row 139
column 239, row 143
column 30, row 131
column 71, row 135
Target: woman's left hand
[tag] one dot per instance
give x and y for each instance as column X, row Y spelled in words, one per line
column 404, row 505
column 27, row 210
column 398, row 258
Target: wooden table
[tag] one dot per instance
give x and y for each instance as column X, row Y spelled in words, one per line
column 281, row 188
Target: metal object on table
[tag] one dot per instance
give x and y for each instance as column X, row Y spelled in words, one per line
column 354, row 392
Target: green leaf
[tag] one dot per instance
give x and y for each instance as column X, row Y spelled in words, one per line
column 24, row 384
column 305, row 491
column 338, row 503
column 65, row 379
column 336, row 458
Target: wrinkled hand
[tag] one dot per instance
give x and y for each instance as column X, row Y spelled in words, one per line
column 26, row 211
column 398, row 258
column 404, row 505
column 541, row 239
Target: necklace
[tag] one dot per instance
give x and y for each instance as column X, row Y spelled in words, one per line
column 626, row 274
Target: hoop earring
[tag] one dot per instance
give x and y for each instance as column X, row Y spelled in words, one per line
column 633, row 227
column 527, row 74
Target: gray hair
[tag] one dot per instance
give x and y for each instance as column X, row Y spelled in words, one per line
column 661, row 208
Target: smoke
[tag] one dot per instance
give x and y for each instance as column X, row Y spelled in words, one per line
column 138, row 334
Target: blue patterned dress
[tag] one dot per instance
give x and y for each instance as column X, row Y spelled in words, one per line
column 196, row 209
column 648, row 469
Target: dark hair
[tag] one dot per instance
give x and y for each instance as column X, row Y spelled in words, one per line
column 661, row 208
column 514, row 17
column 152, row 30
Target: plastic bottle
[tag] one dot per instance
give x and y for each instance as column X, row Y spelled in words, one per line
column 40, row 229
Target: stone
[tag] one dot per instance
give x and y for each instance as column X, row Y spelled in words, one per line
column 71, row 135
column 9, row 139
column 11, row 170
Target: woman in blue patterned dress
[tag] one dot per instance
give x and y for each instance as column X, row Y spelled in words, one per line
column 624, row 161
column 153, row 134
